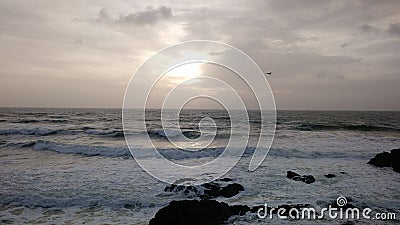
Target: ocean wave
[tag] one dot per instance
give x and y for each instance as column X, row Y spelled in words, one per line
column 118, row 134
column 163, row 133
column 56, row 120
column 3, row 142
column 40, row 121
column 345, row 127
column 39, row 131
column 107, row 133
column 178, row 154
column 85, row 150
column 29, row 131
column 26, row 121
column 119, row 151
column 99, row 132
column 54, row 200
column 295, row 153
column 113, row 152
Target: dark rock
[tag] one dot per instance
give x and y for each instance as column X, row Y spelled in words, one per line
column 330, row 175
column 209, row 212
column 211, row 190
column 204, row 212
column 226, row 179
column 229, row 191
column 291, row 174
column 180, row 188
column 308, row 179
column 218, row 188
column 240, row 209
column 386, row 159
column 342, row 172
column 381, row 160
column 170, row 188
column 6, row 221
column 396, row 159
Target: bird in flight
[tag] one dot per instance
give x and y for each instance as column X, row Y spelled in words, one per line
column 269, row 73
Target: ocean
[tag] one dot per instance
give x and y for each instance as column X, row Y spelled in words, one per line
column 72, row 166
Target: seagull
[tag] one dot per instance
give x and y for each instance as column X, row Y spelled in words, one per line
column 269, row 73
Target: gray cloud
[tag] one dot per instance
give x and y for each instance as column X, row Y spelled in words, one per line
column 150, row 15
column 103, row 16
column 366, row 28
column 393, row 28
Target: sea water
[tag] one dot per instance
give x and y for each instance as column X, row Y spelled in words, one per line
column 72, row 166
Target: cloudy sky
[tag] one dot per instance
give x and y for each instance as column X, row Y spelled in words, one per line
column 324, row 54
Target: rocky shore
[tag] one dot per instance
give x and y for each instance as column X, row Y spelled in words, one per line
column 204, row 205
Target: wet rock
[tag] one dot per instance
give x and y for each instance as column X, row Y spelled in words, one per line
column 181, row 188
column 386, row 159
column 330, row 175
column 226, row 179
column 6, row 221
column 219, row 188
column 195, row 212
column 381, row 160
column 291, row 174
column 209, row 212
column 228, row 191
column 396, row 159
column 308, row 179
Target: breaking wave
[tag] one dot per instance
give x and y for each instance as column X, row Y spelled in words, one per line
column 29, row 131
column 163, row 133
column 345, row 127
column 81, row 149
column 176, row 154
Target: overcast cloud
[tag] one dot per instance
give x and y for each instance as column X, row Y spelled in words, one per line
column 325, row 54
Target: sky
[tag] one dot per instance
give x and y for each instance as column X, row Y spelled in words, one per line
column 325, row 55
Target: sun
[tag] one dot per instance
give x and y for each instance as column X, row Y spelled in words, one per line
column 185, row 71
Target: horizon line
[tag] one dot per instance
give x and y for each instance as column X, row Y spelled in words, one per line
column 151, row 108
